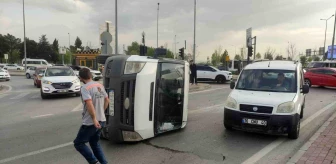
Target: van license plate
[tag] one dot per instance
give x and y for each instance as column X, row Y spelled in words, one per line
column 254, row 121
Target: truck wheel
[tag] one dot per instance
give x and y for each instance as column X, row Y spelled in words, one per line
column 294, row 130
column 101, row 59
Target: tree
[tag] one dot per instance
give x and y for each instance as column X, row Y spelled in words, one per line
column 237, row 57
column 78, row 43
column 310, row 59
column 134, row 49
column 278, row 57
column 11, row 43
column 316, row 58
column 291, row 50
column 44, row 50
column 269, row 53
column 258, row 56
column 31, row 49
column 303, row 60
column 55, row 46
column 15, row 56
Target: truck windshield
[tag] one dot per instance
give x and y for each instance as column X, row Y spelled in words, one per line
column 268, row 80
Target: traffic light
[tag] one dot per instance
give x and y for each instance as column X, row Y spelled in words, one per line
column 181, row 53
column 250, row 51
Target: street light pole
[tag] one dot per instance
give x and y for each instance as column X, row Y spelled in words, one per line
column 69, row 51
column 333, row 39
column 194, row 47
column 116, row 28
column 325, row 33
column 24, row 35
column 175, row 46
column 157, row 27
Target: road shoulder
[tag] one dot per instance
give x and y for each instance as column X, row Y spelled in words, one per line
column 4, row 88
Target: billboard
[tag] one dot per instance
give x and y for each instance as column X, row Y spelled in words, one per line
column 329, row 52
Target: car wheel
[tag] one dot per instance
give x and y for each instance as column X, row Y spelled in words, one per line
column 43, row 96
column 220, row 79
column 301, row 113
column 28, row 76
column 7, row 79
column 307, row 82
column 294, row 130
column 18, row 69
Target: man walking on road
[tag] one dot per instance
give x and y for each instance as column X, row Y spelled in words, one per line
column 193, row 75
column 95, row 101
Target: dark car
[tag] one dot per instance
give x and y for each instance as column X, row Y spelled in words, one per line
column 37, row 77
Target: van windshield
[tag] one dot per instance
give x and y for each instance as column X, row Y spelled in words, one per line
column 268, row 80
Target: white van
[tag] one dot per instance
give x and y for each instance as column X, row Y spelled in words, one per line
column 269, row 97
column 35, row 62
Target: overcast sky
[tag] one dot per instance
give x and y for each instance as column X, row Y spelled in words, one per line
column 219, row 22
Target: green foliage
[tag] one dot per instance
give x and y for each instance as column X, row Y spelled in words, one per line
column 215, row 58
column 134, row 49
column 278, row 57
column 258, row 56
column 303, row 60
column 268, row 56
column 78, row 43
column 237, row 57
column 310, row 59
column 316, row 58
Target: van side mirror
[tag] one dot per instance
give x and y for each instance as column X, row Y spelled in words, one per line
column 305, row 89
column 232, row 85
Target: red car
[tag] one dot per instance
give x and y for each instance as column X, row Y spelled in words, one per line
column 321, row 77
column 37, row 77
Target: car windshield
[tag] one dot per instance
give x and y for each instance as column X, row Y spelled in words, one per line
column 59, row 72
column 268, row 80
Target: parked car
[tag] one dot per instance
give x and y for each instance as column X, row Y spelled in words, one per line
column 264, row 103
column 209, row 73
column 30, row 72
column 96, row 75
column 13, row 67
column 4, row 75
column 321, row 77
column 320, row 64
column 38, row 74
column 59, row 80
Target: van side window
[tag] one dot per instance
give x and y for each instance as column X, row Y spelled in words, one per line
column 44, row 63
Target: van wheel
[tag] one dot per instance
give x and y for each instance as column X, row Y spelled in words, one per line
column 294, row 130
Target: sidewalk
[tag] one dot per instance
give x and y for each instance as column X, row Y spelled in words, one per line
column 321, row 148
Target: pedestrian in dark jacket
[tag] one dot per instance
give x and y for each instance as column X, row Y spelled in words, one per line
column 193, row 75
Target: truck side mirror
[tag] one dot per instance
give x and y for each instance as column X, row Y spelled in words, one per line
column 232, row 85
column 305, row 89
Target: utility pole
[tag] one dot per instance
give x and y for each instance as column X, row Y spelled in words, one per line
column 255, row 46
column 116, row 28
column 157, row 27
column 333, row 39
column 194, row 47
column 175, row 46
column 69, row 51
column 24, row 35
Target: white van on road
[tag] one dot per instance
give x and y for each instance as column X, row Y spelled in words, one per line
column 35, row 62
column 269, row 97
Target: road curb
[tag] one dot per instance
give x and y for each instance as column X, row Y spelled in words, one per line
column 199, row 87
column 305, row 147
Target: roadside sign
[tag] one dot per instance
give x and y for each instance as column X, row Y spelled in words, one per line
column 227, row 58
column 62, row 50
column 249, row 37
column 6, row 56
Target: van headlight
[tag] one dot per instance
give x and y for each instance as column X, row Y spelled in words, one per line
column 47, row 82
column 133, row 67
column 287, row 107
column 231, row 103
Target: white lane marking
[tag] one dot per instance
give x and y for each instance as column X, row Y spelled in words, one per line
column 36, row 96
column 45, row 115
column 208, row 90
column 261, row 153
column 79, row 107
column 20, row 95
column 35, row 152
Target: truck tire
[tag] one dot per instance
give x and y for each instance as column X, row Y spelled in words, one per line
column 101, row 59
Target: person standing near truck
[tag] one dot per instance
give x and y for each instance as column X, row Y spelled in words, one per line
column 193, row 70
column 95, row 102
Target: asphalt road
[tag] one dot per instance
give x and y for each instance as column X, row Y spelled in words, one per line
column 33, row 130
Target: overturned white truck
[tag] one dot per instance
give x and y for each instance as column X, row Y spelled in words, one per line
column 148, row 96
